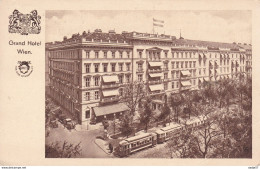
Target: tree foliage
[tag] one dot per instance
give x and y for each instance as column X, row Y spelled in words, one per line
column 125, row 126
column 62, row 150
column 146, row 116
column 132, row 94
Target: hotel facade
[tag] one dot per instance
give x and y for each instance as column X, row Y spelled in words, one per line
column 87, row 72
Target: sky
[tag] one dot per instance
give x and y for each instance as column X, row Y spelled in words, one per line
column 218, row 26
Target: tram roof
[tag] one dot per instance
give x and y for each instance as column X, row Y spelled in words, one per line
column 174, row 126
column 140, row 136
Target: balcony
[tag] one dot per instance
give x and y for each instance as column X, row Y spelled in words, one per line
column 155, row 82
column 109, row 100
column 140, row 70
column 185, row 88
column 106, row 86
column 154, row 70
column 165, row 69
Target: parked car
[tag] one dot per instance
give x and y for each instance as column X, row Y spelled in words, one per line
column 54, row 124
column 69, row 124
column 62, row 118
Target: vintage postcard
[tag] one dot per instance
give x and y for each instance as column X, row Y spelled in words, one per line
column 83, row 82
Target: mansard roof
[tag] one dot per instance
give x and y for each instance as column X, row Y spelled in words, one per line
column 207, row 44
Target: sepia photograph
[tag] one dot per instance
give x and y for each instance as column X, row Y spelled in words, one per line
column 166, row 84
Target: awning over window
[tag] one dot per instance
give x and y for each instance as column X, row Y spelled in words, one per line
column 185, row 83
column 155, row 74
column 206, row 79
column 154, row 64
column 107, row 93
column 115, row 108
column 185, row 73
column 217, row 71
column 156, row 87
column 201, row 80
column 211, row 62
column 112, row 78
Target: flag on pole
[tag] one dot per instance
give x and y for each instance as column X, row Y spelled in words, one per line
column 157, row 22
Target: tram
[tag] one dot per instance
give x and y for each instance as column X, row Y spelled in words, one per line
column 145, row 140
column 136, row 143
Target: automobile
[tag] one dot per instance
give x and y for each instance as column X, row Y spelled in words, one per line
column 69, row 124
column 62, row 118
column 54, row 124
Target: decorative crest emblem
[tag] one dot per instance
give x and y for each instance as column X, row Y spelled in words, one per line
column 24, row 68
column 24, row 23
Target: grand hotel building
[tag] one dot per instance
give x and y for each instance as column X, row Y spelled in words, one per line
column 86, row 73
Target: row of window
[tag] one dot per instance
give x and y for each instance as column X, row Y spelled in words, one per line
column 105, row 54
column 105, row 67
column 97, row 80
column 88, row 96
column 62, row 75
column 66, row 54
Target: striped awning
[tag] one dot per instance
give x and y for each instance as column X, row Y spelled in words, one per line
column 155, row 74
column 114, row 108
column 185, row 83
column 185, row 73
column 112, row 78
column 206, row 79
column 107, row 93
column 156, row 87
column 155, row 64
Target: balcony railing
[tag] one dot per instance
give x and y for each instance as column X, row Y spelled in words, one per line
column 185, row 88
column 155, row 70
column 108, row 100
column 105, row 86
column 140, row 70
column 155, row 82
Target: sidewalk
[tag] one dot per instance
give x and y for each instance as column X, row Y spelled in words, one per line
column 103, row 145
column 87, row 127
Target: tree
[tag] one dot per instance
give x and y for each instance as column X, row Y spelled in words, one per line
column 181, row 146
column 204, row 137
column 176, row 102
column 166, row 111
column 188, row 99
column 125, row 126
column 66, row 150
column 208, row 92
column 132, row 95
column 146, row 115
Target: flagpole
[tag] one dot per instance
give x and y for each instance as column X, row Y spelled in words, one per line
column 153, row 28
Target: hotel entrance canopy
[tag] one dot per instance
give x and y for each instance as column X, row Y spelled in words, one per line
column 110, row 109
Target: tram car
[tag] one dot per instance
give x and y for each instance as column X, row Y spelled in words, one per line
column 136, row 143
column 166, row 133
column 145, row 140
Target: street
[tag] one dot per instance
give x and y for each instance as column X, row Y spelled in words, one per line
column 89, row 148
